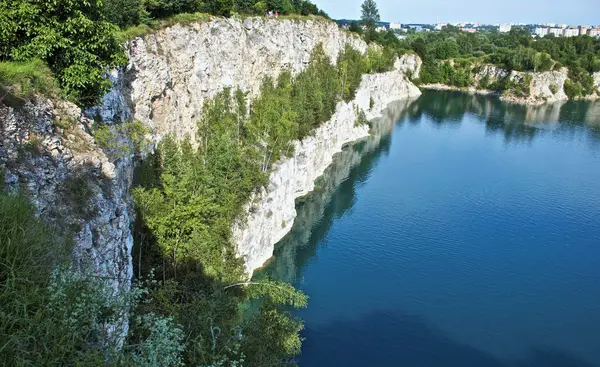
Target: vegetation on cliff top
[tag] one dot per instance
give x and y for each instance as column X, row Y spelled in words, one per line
column 454, row 57
column 81, row 40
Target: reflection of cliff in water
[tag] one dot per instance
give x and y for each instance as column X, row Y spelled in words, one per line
column 335, row 191
column 333, row 195
column 515, row 122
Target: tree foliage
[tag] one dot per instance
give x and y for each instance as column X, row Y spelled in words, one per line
column 192, row 193
column 447, row 54
column 369, row 17
column 72, row 37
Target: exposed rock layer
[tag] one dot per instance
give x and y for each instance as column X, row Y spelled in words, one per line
column 544, row 87
column 174, row 71
column 272, row 216
column 171, row 73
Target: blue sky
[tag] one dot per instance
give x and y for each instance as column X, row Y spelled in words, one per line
column 497, row 11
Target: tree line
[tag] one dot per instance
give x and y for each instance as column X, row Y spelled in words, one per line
column 516, row 50
column 81, row 40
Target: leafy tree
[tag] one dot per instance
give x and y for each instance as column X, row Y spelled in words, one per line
column 125, row 13
column 370, row 16
column 220, row 7
column 351, row 66
column 72, row 37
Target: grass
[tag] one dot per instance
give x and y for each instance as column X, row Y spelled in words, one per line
column 19, row 81
column 145, row 29
column 188, row 18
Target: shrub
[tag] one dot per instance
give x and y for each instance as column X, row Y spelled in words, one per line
column 72, row 37
column 55, row 315
column 351, row 66
column 122, row 140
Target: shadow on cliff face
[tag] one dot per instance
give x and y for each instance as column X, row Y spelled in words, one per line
column 394, row 338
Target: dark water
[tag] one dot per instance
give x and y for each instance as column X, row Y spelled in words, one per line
column 467, row 236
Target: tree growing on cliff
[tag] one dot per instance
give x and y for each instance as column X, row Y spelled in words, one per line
column 370, row 17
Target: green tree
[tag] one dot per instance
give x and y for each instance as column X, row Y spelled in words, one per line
column 220, row 7
column 125, row 13
column 369, row 17
column 72, row 37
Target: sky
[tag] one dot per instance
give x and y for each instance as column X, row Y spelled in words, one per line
column 482, row 11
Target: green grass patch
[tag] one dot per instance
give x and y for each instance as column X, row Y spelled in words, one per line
column 142, row 30
column 19, row 81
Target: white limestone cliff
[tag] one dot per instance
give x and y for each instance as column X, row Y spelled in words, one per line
column 172, row 73
column 544, row 87
column 272, row 214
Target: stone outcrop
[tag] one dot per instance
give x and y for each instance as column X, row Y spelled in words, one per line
column 543, row 87
column 47, row 154
column 170, row 75
column 172, row 72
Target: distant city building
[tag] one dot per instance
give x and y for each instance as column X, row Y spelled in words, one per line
column 558, row 32
column 594, row 32
column 571, row 32
column 439, row 26
column 395, row 26
column 583, row 30
column 504, row 28
column 541, row 32
column 469, row 30
column 550, row 25
column 563, row 26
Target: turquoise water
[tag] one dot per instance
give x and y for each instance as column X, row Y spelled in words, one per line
column 468, row 235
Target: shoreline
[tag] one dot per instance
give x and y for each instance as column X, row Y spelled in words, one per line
column 526, row 101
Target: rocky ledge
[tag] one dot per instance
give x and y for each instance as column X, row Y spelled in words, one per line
column 543, row 87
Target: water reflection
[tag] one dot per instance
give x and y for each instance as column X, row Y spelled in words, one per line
column 515, row 122
column 334, row 194
column 335, row 191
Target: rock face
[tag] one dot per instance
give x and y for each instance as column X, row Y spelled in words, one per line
column 544, row 87
column 48, row 155
column 171, row 73
column 272, row 214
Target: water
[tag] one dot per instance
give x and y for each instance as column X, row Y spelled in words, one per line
column 469, row 235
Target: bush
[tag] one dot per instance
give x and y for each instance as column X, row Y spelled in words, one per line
column 351, row 66
column 122, row 140
column 54, row 315
column 71, row 37
column 573, row 89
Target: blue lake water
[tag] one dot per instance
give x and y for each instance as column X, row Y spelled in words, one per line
column 467, row 234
